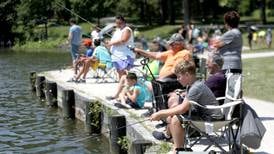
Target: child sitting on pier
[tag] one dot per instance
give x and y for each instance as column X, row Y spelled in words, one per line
column 133, row 94
column 81, row 58
column 100, row 56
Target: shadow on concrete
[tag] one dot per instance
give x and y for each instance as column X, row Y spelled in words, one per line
column 261, row 152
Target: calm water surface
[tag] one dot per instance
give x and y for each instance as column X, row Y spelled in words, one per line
column 27, row 125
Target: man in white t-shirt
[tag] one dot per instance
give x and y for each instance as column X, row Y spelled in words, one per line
column 122, row 56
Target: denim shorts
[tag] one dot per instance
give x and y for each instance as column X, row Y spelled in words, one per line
column 74, row 51
column 123, row 64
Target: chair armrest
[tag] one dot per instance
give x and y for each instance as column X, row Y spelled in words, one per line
column 220, row 98
column 226, row 105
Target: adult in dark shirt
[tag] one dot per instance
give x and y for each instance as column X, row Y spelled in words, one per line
column 216, row 81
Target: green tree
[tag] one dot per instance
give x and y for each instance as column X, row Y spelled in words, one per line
column 7, row 19
column 262, row 4
column 60, row 13
column 34, row 12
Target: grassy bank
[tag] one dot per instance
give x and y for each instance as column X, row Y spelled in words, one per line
column 57, row 36
column 259, row 78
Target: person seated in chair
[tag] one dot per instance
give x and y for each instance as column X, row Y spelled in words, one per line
column 100, row 55
column 216, row 82
column 170, row 58
column 176, row 53
column 134, row 94
column 87, row 43
column 196, row 91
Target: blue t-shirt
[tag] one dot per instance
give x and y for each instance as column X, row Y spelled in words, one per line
column 141, row 98
column 76, row 34
column 89, row 52
column 103, row 55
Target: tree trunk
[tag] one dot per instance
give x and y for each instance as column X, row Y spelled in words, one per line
column 186, row 12
column 171, row 11
column 163, row 11
column 263, row 15
column 147, row 14
column 142, row 11
column 46, row 28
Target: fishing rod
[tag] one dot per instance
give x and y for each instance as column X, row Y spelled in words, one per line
column 72, row 12
column 97, row 135
column 59, row 4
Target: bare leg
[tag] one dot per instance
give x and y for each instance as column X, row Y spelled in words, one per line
column 122, row 97
column 86, row 68
column 121, row 84
column 121, row 73
column 81, row 72
column 168, row 120
column 177, row 133
column 173, row 100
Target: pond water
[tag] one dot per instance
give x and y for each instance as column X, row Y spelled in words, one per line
column 28, row 125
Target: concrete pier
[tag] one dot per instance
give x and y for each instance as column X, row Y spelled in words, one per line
column 139, row 135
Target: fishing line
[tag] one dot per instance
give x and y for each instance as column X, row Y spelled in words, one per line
column 72, row 12
column 93, row 136
column 88, row 22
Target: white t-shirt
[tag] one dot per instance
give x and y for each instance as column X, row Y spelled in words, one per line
column 121, row 51
column 94, row 35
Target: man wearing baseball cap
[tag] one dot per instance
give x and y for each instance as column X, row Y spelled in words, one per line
column 170, row 58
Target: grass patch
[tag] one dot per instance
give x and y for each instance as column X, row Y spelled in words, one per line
column 163, row 31
column 259, row 78
column 41, row 45
column 57, row 37
column 260, row 46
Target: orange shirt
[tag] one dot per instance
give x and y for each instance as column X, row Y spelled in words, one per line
column 170, row 59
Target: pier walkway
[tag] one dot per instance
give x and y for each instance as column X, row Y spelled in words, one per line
column 142, row 132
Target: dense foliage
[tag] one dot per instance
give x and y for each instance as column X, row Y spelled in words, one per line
column 27, row 20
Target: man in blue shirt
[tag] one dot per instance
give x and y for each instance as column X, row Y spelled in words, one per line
column 74, row 38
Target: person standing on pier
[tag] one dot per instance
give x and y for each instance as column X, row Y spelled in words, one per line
column 74, row 39
column 229, row 46
column 122, row 56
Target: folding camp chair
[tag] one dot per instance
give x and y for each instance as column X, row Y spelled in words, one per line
column 104, row 72
column 161, row 88
column 221, row 130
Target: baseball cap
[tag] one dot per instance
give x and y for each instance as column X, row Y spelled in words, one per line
column 176, row 37
column 87, row 42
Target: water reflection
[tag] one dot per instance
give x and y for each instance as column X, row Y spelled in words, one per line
column 28, row 125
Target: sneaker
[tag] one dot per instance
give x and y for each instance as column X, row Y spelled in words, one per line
column 72, row 80
column 82, row 80
column 160, row 136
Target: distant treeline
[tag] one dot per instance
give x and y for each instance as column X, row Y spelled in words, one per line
column 18, row 18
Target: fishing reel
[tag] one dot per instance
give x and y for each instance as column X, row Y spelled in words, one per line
column 131, row 47
column 144, row 61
